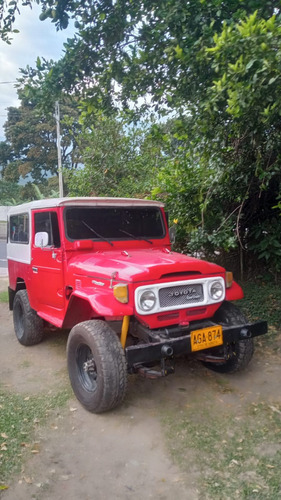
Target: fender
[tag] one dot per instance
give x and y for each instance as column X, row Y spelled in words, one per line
column 235, row 292
column 96, row 304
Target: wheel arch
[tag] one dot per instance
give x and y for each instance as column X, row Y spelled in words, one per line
column 20, row 285
column 79, row 309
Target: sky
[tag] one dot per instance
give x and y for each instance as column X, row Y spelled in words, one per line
column 36, row 38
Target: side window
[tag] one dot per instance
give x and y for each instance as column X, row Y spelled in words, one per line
column 48, row 222
column 19, row 228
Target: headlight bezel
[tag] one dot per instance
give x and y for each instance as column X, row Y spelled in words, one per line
column 219, row 285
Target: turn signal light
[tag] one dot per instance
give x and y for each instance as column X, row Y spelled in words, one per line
column 120, row 292
column 228, row 279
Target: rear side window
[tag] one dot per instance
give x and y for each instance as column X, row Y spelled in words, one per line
column 48, row 222
column 19, row 228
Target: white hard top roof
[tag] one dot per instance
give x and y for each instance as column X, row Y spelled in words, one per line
column 86, row 201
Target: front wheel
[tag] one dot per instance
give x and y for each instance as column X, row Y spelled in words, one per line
column 97, row 366
column 239, row 353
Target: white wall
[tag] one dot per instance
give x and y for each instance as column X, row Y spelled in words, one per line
column 3, row 219
column 3, row 213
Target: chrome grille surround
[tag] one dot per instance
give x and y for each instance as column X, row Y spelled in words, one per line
column 179, row 294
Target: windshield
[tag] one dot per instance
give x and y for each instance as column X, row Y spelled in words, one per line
column 113, row 223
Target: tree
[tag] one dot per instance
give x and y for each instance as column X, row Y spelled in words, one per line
column 118, row 159
column 233, row 148
column 147, row 46
column 244, row 108
column 215, row 65
column 31, row 139
column 29, row 153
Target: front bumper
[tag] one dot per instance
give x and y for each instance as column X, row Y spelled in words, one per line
column 143, row 354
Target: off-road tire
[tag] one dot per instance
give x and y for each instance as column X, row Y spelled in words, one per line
column 97, row 366
column 29, row 327
column 241, row 352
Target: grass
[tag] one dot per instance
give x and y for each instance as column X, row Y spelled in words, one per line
column 19, row 417
column 231, row 454
column 233, row 451
column 4, row 296
column 262, row 300
column 228, row 455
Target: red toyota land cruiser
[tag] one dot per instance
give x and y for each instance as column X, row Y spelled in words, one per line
column 104, row 268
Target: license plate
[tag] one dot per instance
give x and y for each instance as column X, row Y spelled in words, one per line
column 206, row 338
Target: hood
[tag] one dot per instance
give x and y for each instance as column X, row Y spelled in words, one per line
column 139, row 265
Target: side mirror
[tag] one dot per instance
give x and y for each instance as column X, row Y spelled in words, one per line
column 41, row 239
column 172, row 234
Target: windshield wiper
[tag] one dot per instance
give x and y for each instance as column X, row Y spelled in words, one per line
column 136, row 237
column 97, row 234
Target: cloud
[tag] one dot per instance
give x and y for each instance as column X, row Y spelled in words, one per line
column 36, row 38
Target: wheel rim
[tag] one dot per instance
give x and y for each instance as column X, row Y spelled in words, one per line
column 19, row 321
column 86, row 367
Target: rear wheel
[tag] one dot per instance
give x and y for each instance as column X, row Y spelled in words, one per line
column 29, row 327
column 239, row 353
column 97, row 366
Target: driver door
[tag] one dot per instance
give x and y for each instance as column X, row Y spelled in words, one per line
column 47, row 280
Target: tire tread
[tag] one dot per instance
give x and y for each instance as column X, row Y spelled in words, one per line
column 113, row 367
column 229, row 314
column 32, row 323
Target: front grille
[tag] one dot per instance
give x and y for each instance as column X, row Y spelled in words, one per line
column 181, row 295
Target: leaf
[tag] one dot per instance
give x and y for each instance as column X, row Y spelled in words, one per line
column 250, row 63
column 272, row 80
column 28, row 480
column 179, row 52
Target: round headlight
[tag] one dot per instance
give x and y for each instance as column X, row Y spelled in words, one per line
column 147, row 300
column 216, row 290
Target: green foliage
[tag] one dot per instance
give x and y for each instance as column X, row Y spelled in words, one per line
column 9, row 193
column 266, row 244
column 29, row 154
column 130, row 43
column 8, row 11
column 119, row 160
column 262, row 299
column 215, row 66
column 243, row 107
column 233, row 138
column 32, row 139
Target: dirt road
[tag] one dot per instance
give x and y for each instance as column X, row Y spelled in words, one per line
column 122, row 454
column 117, row 455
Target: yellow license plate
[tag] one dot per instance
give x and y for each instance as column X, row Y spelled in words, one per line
column 206, row 338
